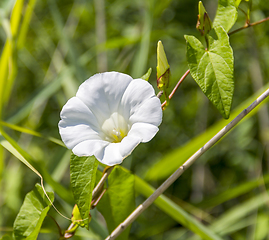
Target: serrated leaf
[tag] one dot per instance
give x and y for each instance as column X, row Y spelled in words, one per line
column 212, row 69
column 226, row 15
column 82, row 176
column 32, row 214
column 119, row 200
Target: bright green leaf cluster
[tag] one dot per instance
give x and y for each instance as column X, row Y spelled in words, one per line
column 32, row 214
column 212, row 68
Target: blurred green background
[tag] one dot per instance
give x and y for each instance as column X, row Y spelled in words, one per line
column 56, row 45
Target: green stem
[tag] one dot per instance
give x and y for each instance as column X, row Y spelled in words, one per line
column 176, row 87
column 247, row 25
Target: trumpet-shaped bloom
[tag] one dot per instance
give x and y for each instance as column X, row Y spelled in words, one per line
column 109, row 116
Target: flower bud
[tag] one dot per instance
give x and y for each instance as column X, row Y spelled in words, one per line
column 163, row 68
column 204, row 24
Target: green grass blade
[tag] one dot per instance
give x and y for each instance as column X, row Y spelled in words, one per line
column 239, row 212
column 39, row 98
column 140, row 62
column 10, row 145
column 233, row 192
column 25, row 23
column 5, row 141
column 9, row 66
column 171, row 161
column 174, row 211
column 31, row 132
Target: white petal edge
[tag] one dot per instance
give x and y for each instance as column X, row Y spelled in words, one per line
column 128, row 144
column 110, row 155
column 145, row 131
column 89, row 147
column 74, row 135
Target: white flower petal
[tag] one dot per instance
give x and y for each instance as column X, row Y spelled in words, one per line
column 110, row 115
column 128, row 144
column 136, row 93
column 145, row 131
column 110, row 155
column 75, row 111
column 102, row 93
column 73, row 135
column 78, row 123
column 89, row 147
column 149, row 112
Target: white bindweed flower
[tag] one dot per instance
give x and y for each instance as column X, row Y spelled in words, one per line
column 109, row 116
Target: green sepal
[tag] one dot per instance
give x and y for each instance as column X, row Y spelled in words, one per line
column 147, row 75
column 77, row 219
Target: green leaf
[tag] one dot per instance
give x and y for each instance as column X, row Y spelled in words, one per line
column 32, row 214
column 226, row 15
column 119, row 200
column 237, row 3
column 83, row 174
column 212, row 68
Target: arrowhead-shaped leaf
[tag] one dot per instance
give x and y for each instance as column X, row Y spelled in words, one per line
column 82, row 175
column 119, row 200
column 226, row 15
column 212, row 69
column 32, row 214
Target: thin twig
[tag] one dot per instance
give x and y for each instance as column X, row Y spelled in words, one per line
column 247, row 25
column 176, row 87
column 100, row 184
column 94, row 204
column 142, row 207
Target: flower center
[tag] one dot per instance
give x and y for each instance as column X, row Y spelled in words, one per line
column 115, row 128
